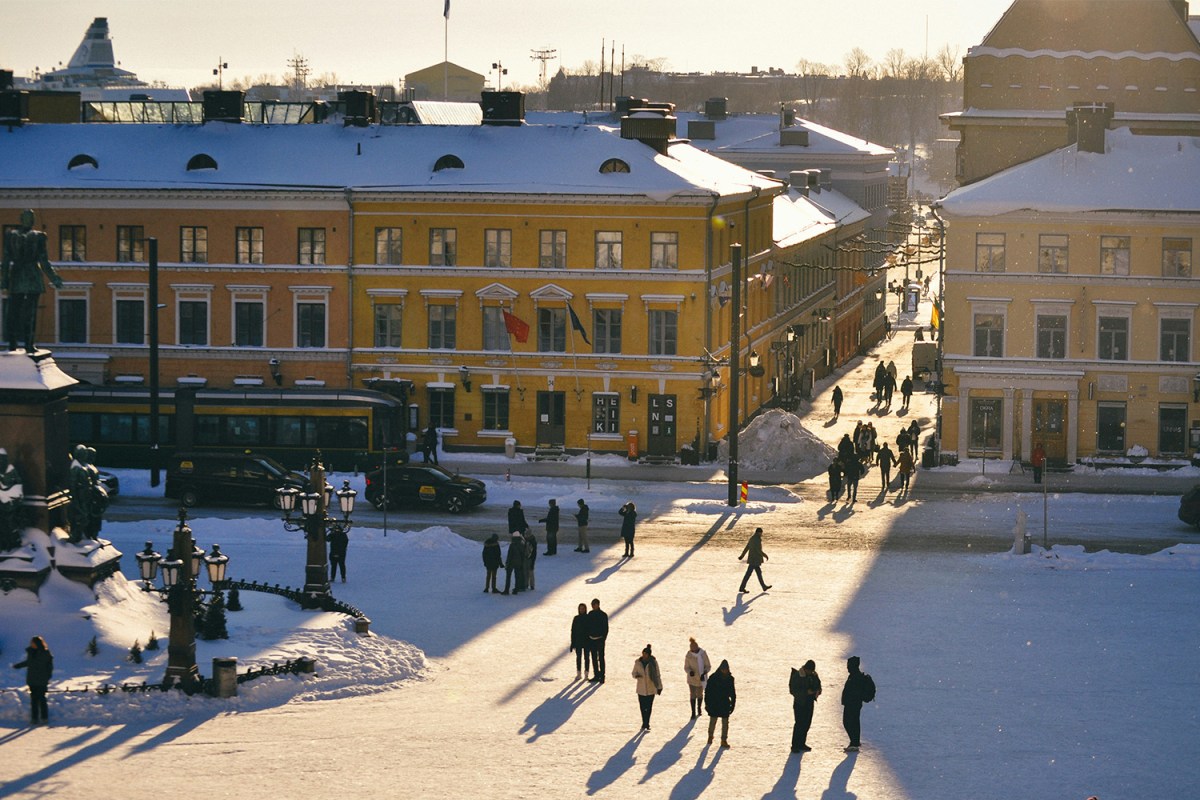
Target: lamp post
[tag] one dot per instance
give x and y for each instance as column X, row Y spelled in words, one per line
column 316, row 523
column 735, row 343
column 939, row 308
column 180, row 570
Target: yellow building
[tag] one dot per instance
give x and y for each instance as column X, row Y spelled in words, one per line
column 445, row 81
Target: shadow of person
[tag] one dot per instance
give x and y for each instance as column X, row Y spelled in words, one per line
column 553, row 712
column 697, row 779
column 617, row 764
column 742, row 606
column 844, row 513
column 607, row 572
column 786, row 785
column 670, row 752
column 829, row 423
column 840, row 779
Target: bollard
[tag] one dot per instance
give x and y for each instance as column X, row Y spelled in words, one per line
column 507, row 475
column 744, row 493
column 362, row 626
column 224, row 681
column 305, row 665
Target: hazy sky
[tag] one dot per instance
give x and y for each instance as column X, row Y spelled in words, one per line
column 375, row 41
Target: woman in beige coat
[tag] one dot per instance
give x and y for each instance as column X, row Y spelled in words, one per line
column 649, row 683
column 696, row 666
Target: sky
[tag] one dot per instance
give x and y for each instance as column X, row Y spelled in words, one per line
column 368, row 41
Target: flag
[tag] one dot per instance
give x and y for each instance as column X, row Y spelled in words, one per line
column 577, row 325
column 446, row 14
column 516, row 326
column 935, row 318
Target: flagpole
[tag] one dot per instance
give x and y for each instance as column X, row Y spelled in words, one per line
column 446, row 52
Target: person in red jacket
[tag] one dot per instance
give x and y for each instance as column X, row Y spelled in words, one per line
column 1038, row 459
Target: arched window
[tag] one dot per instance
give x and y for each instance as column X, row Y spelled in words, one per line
column 614, row 165
column 448, row 161
column 83, row 160
column 201, row 161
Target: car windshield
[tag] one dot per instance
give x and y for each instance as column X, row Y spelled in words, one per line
column 434, row 472
column 274, row 467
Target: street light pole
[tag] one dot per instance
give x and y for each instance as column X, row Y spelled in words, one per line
column 940, row 307
column 152, row 322
column 735, row 339
column 316, row 569
column 181, row 598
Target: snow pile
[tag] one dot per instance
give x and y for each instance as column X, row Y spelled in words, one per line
column 778, row 440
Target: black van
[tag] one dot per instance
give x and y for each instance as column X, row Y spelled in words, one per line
column 228, row 478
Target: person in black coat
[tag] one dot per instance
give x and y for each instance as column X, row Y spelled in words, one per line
column 835, row 481
column 597, row 632
column 837, row 401
column 852, row 470
column 754, row 549
column 628, row 527
column 854, row 694
column 579, row 642
column 906, row 390
column 805, row 692
column 429, row 444
column 720, row 696
column 846, row 450
column 38, row 666
column 338, row 542
column 492, row 562
column 582, row 519
column 551, row 523
column 516, row 519
column 514, row 561
column 886, row 459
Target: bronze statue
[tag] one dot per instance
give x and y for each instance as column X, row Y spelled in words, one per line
column 11, row 493
column 89, row 498
column 23, row 270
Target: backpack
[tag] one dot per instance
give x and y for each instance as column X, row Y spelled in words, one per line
column 796, row 683
column 868, row 688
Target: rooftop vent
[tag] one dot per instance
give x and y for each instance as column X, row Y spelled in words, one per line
column 702, row 129
column 503, row 108
column 1086, row 124
column 201, row 161
column 14, row 107
column 793, row 136
column 223, row 106
column 716, row 107
column 358, row 107
column 83, row 160
column 653, row 126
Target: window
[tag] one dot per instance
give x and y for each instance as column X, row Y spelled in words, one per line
column 663, row 332
column 441, row 408
column 311, row 249
column 497, row 247
column 989, row 252
column 495, row 409
column 1113, row 341
column 388, row 247
column 606, row 412
column 664, row 250
column 130, row 321
column 72, row 320
column 1110, row 427
column 443, row 247
column 193, row 322
column 552, row 250
column 442, row 324
column 606, row 330
column 986, row 423
column 989, row 335
column 552, row 330
column 614, row 165
column 248, row 316
column 1052, row 254
column 1174, row 340
column 131, row 243
column 608, row 249
column 1177, row 258
column 310, row 324
column 193, row 245
column 1114, row 255
column 1051, row 336
column 249, row 245
column 495, row 333
column 388, row 319
column 72, row 243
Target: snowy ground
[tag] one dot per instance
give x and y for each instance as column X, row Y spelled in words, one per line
column 1060, row 674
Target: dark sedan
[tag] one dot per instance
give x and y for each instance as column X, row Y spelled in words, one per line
column 1189, row 507
column 424, row 485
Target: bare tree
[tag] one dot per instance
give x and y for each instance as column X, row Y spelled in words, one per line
column 893, row 62
column 858, row 63
column 949, row 62
column 813, row 83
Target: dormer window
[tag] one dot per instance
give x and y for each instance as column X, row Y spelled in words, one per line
column 201, row 161
column 448, row 161
column 614, row 165
column 83, row 160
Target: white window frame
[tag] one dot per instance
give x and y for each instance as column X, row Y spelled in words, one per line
column 246, row 294
column 194, row 293
column 131, row 292
column 309, row 295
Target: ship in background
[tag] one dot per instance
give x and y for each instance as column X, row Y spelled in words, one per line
column 93, row 72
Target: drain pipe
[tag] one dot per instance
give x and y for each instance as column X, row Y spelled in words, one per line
column 707, row 300
column 349, row 193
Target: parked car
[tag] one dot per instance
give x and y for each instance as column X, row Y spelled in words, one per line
column 424, row 485
column 1189, row 506
column 111, row 484
column 194, row 478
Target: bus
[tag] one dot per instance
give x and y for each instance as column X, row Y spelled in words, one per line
column 351, row 428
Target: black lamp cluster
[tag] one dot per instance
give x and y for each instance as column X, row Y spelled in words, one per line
column 316, row 524
column 311, row 506
column 150, row 563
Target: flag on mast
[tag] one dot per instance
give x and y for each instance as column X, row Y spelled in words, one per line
column 517, row 327
column 446, row 13
column 577, row 325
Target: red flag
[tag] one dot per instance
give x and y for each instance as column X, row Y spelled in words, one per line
column 517, row 327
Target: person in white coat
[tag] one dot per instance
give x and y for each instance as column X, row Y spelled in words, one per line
column 649, row 684
column 697, row 666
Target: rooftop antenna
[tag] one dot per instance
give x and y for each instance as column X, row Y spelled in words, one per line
column 543, row 55
column 300, row 70
column 222, row 65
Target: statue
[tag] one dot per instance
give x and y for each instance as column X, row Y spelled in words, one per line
column 89, row 498
column 24, row 264
column 11, row 492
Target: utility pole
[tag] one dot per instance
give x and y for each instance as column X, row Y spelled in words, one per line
column 543, row 55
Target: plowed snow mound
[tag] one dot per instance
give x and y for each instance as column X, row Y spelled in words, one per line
column 777, row 440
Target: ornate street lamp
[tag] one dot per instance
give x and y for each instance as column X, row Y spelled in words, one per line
column 147, row 562
column 316, row 524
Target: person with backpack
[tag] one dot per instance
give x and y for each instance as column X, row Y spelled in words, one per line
column 859, row 689
column 805, row 687
column 38, row 666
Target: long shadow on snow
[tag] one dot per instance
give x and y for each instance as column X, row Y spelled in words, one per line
column 554, row 711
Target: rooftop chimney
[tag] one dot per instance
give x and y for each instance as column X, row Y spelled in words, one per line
column 653, row 126
column 358, row 107
column 1086, row 124
column 223, row 106
column 503, row 108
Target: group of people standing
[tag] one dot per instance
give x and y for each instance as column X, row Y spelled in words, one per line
column 805, row 688
column 589, row 632
column 855, row 455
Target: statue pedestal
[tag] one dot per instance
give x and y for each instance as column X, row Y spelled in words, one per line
column 27, row 566
column 87, row 562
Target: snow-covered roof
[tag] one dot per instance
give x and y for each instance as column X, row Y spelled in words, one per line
column 533, row 159
column 1136, row 173
column 796, row 219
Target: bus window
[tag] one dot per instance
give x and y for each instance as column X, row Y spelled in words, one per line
column 242, row 430
column 292, row 432
column 81, row 427
column 342, row 433
column 116, row 428
column 208, row 431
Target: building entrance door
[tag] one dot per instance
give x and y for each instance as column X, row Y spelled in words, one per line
column 551, row 419
column 661, row 438
column 1172, row 420
column 1050, row 428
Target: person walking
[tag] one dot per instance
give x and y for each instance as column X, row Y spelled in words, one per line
column 492, row 562
column 889, row 389
column 837, row 401
column 514, row 562
column 754, row 549
column 338, row 542
column 531, row 548
column 551, row 523
column 696, row 666
column 648, row 681
column 516, row 519
column 429, row 444
column 38, row 666
column 906, row 390
column 886, row 459
column 877, row 382
column 845, row 449
column 581, row 519
column 859, row 689
column 835, row 481
column 893, row 375
column 905, row 466
column 1038, row 460
column 597, row 632
column 852, row 470
column 579, row 642
column 914, row 437
column 628, row 527
column 719, row 701
column 805, row 687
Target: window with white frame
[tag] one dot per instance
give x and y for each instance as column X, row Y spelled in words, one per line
column 664, row 332
column 443, row 247
column 1174, row 339
column 441, row 407
column 664, row 250
column 606, row 412
column 72, row 242
column 497, row 247
column 606, row 330
column 389, row 245
column 1051, row 336
column 193, row 244
column 389, row 318
column 249, row 245
column 129, row 320
column 311, row 246
column 72, row 320
column 1052, row 253
column 1176, row 258
column 552, row 330
column 989, row 252
column 1112, row 341
column 989, row 335
column 1114, row 255
column 495, row 409
column 552, row 249
column 443, row 326
column 608, row 249
column 495, row 332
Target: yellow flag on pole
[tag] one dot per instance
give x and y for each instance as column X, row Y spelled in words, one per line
column 935, row 319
